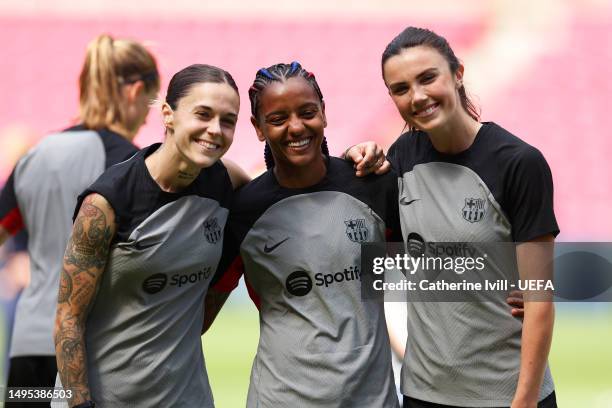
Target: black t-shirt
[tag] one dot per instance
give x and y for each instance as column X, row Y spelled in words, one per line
column 512, row 171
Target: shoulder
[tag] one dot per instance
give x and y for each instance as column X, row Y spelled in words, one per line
column 117, row 174
column 94, row 204
column 236, row 173
column 214, row 182
column 116, row 147
column 340, row 169
column 411, row 138
column 409, row 149
column 218, row 169
column 118, row 184
column 251, row 201
column 342, row 173
column 256, row 193
column 510, row 150
column 66, row 140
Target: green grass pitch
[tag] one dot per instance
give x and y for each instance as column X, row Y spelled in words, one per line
column 580, row 359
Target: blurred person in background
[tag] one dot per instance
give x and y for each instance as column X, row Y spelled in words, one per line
column 460, row 180
column 14, row 276
column 118, row 80
column 142, row 258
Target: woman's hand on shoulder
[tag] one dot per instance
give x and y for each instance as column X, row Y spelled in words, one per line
column 368, row 157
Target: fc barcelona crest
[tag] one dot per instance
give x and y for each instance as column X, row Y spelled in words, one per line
column 212, row 230
column 356, row 230
column 474, row 209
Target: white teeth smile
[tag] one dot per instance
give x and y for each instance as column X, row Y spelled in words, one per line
column 208, row 145
column 299, row 143
column 426, row 112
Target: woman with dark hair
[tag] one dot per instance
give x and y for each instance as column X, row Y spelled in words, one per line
column 299, row 229
column 463, row 180
column 143, row 254
column 118, row 80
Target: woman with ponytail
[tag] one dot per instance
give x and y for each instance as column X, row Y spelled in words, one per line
column 118, row 80
column 299, row 228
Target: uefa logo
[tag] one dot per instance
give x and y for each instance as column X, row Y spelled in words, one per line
column 155, row 283
column 298, row 283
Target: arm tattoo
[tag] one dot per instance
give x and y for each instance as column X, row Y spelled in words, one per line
column 213, row 302
column 84, row 261
column 89, row 248
column 65, row 290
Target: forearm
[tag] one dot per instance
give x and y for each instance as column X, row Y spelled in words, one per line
column 84, row 264
column 398, row 347
column 535, row 346
column 71, row 356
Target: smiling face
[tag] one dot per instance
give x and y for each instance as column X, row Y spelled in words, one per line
column 423, row 88
column 203, row 123
column 291, row 118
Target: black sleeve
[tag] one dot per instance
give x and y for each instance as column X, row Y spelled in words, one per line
column 20, row 241
column 10, row 216
column 393, row 156
column 114, row 186
column 230, row 252
column 116, row 148
column 529, row 192
column 227, row 275
column 228, row 190
column 8, row 199
column 392, row 211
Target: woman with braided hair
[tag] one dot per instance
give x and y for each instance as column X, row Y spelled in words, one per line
column 299, row 228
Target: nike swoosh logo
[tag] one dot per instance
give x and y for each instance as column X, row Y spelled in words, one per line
column 404, row 202
column 268, row 249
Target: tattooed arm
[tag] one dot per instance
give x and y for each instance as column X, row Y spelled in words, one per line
column 84, row 262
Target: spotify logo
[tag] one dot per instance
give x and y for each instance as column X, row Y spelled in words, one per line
column 416, row 245
column 298, row 283
column 155, row 283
